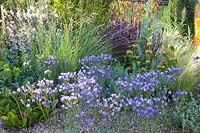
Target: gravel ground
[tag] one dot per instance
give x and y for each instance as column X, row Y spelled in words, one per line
column 129, row 124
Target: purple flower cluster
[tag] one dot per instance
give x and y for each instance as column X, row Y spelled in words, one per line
column 98, row 66
column 150, row 81
column 92, row 60
column 79, row 86
column 178, row 94
column 85, row 118
column 148, row 107
column 174, row 70
column 146, row 94
column 51, row 62
column 100, row 71
column 112, row 105
column 40, row 93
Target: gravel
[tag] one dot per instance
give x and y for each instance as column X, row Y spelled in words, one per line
column 128, row 124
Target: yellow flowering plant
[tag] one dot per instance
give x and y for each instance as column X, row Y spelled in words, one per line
column 196, row 40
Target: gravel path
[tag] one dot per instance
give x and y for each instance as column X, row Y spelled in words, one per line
column 129, row 124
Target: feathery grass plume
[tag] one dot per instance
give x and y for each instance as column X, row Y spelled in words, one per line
column 196, row 40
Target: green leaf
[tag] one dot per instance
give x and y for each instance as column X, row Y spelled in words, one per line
column 74, row 102
column 14, row 119
column 24, row 122
column 5, row 118
column 7, row 108
column 1, row 63
column 6, row 66
column 29, row 110
column 35, row 115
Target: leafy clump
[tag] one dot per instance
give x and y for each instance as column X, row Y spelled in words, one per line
column 187, row 115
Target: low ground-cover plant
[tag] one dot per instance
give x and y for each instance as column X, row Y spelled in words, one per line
column 27, row 104
column 187, row 115
column 105, row 90
column 145, row 94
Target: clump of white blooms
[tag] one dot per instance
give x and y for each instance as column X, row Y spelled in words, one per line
column 19, row 25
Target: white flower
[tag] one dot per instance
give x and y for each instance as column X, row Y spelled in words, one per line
column 22, row 101
column 28, row 105
column 47, row 71
column 18, row 90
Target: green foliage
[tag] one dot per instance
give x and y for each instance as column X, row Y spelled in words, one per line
column 150, row 55
column 17, row 114
column 68, row 46
column 75, row 33
column 183, row 53
column 181, row 11
column 9, row 75
column 45, row 36
column 15, row 76
column 77, row 11
column 186, row 115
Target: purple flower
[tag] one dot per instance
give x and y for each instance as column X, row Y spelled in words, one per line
column 196, row 58
column 199, row 85
column 174, row 70
column 51, row 62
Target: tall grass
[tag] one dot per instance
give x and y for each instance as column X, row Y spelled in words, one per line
column 184, row 52
column 68, row 45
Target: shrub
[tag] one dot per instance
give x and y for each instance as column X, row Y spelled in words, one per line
column 122, row 34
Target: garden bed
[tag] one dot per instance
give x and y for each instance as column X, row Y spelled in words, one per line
column 88, row 66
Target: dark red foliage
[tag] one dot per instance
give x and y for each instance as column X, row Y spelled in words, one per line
column 122, row 34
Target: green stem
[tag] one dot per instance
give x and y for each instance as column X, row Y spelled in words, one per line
column 18, row 106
